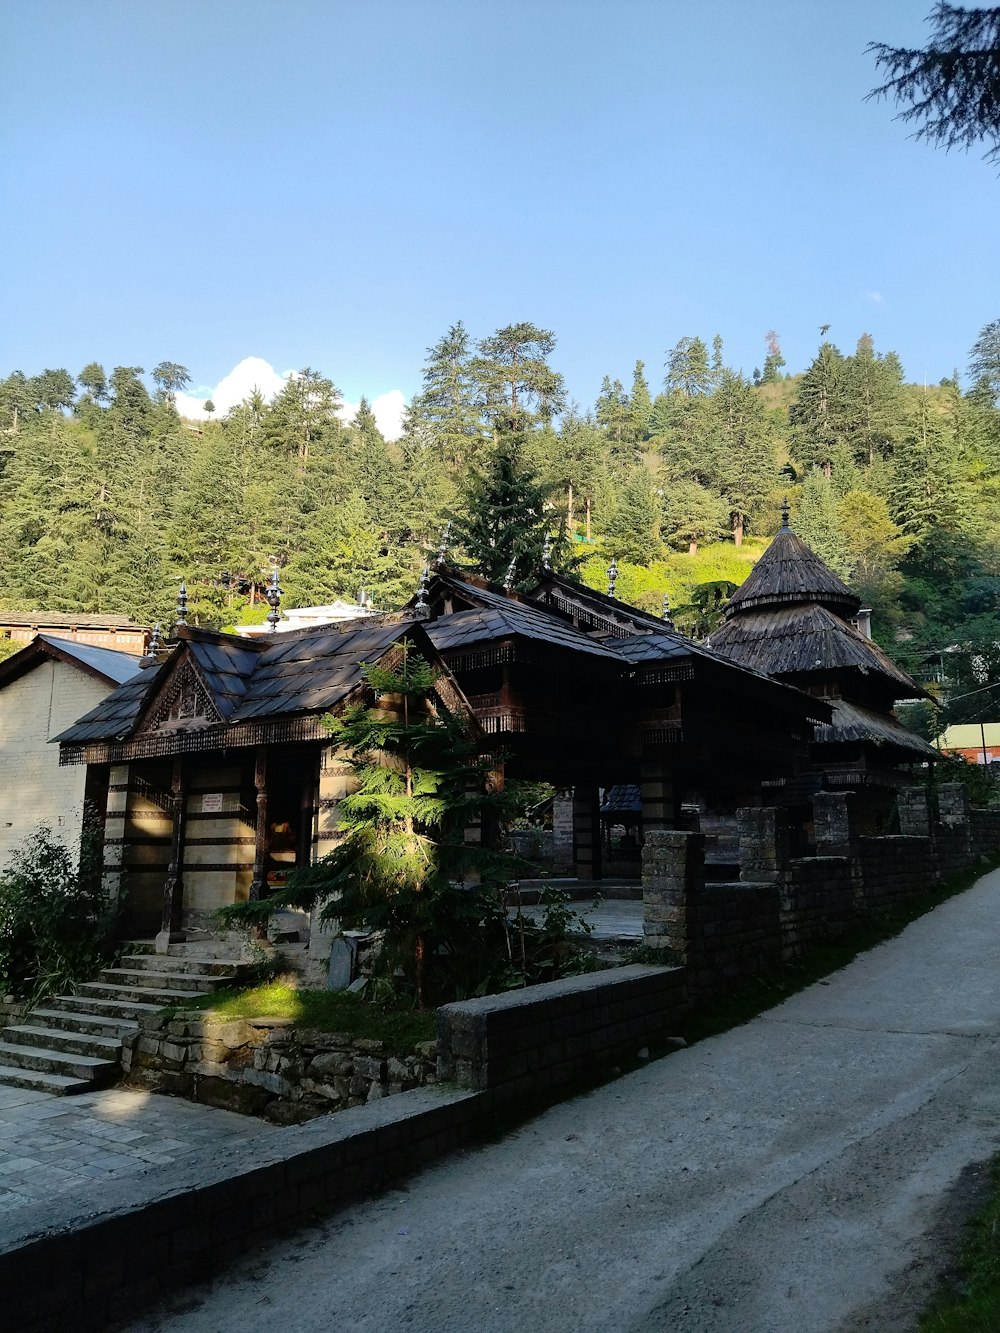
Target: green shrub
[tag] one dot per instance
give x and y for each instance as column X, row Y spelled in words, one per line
column 55, row 916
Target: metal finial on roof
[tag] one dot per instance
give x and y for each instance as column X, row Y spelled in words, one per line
column 612, row 576
column 508, row 578
column 151, row 657
column 786, row 509
column 547, row 554
column 421, row 608
column 667, row 617
column 273, row 595
column 182, row 604
column 443, row 548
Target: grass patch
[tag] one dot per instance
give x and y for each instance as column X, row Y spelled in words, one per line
column 322, row 1010
column 754, row 995
column 971, row 1301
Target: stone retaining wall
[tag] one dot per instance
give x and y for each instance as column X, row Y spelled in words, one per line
column 267, row 1067
column 531, row 1041
column 129, row 1247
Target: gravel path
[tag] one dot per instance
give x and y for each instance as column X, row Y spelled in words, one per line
column 795, row 1175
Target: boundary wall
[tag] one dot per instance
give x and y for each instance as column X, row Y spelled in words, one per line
column 781, row 903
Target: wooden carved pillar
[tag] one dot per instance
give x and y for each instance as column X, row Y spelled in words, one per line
column 258, row 886
column 173, row 889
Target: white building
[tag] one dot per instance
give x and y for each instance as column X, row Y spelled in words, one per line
column 44, row 688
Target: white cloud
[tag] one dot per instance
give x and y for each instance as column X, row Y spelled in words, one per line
column 253, row 372
column 388, row 408
column 876, row 298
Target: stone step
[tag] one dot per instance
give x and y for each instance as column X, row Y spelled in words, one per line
column 207, row 950
column 57, row 1084
column 81, row 1021
column 57, row 1039
column 37, row 1058
column 114, row 1001
column 173, row 964
column 139, row 979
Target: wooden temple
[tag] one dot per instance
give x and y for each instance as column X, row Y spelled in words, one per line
column 795, row 620
column 218, row 775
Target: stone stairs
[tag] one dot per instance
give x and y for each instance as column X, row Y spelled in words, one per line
column 73, row 1043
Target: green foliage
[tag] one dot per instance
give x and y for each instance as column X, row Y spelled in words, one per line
column 970, row 1300
column 109, row 498
column 55, row 916
column 322, row 1011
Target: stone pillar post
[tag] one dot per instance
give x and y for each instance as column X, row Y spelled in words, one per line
column 832, row 813
column 659, row 799
column 113, row 873
column 914, row 812
column 764, row 844
column 587, row 832
column 562, row 831
column 173, row 889
column 258, row 885
column 673, row 873
column 953, row 807
column 336, row 780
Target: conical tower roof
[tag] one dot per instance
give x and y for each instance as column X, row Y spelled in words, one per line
column 790, row 574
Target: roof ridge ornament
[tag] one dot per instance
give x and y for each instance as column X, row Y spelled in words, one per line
column 786, row 509
column 182, row 605
column 442, row 551
column 612, row 576
column 154, row 649
column 421, row 608
column 668, row 619
column 273, row 595
column 508, row 578
column 547, row 554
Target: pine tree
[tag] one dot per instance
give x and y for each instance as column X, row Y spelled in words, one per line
column 446, row 407
column 501, row 520
column 773, row 361
column 404, row 868
column 816, row 416
column 641, row 404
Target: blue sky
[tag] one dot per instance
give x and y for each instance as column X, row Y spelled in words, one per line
column 333, row 184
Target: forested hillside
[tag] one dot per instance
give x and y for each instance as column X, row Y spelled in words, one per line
column 109, row 497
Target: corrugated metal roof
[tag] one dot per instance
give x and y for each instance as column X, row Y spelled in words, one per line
column 112, row 663
column 67, row 619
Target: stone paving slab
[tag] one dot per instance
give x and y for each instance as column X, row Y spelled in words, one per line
column 57, row 1147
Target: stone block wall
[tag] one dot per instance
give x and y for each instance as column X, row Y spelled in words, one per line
column 266, row 1067
column 817, row 902
column 722, row 932
column 542, row 1037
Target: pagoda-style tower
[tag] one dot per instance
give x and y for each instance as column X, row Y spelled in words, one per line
column 794, row 619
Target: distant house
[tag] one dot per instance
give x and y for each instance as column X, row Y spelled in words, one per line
column 119, row 632
column 978, row 742
column 43, row 688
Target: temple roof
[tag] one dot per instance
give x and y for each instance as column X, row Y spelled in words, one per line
column 789, row 573
column 305, row 672
column 800, row 640
column 851, row 723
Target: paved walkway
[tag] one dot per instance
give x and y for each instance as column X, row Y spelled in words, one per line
column 785, row 1177
column 53, row 1146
